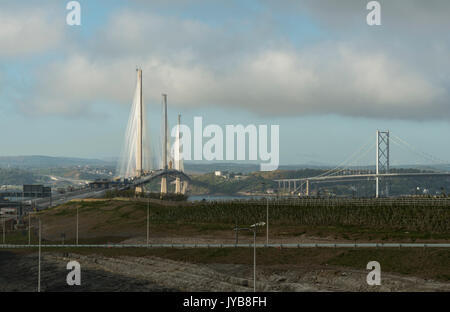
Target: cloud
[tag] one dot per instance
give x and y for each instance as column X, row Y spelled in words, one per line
column 253, row 64
column 348, row 14
column 324, row 80
column 28, row 31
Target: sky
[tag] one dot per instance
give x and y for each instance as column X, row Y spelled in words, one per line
column 314, row 67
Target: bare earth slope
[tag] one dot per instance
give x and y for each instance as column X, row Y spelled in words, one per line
column 125, row 273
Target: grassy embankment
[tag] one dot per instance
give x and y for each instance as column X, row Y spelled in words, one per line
column 104, row 221
column 112, row 221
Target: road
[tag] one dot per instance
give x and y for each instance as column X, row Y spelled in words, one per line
column 44, row 203
column 70, row 180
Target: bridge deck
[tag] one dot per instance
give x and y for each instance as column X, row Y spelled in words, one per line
column 367, row 176
column 159, row 173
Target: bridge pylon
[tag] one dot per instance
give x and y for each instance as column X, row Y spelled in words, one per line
column 177, row 152
column 382, row 160
column 139, row 166
column 165, row 145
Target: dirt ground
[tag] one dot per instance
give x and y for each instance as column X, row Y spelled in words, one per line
column 223, row 239
column 18, row 272
column 197, row 270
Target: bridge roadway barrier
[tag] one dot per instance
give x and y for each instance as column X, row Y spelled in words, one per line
column 182, row 246
column 311, row 201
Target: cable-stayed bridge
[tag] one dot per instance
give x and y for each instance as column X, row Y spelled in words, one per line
column 136, row 167
column 347, row 171
column 137, row 164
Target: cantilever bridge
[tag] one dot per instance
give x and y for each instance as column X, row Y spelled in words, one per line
column 344, row 173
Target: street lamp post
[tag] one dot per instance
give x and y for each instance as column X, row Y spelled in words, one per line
column 267, row 222
column 4, row 225
column 39, row 261
column 253, row 228
column 237, row 233
column 29, row 228
column 254, row 260
column 148, row 220
column 77, row 227
column 267, row 213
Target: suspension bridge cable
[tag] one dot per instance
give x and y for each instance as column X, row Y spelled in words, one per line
column 352, row 162
column 416, row 162
column 363, row 149
column 345, row 161
column 423, row 154
column 359, row 158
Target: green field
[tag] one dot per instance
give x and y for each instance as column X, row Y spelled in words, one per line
column 126, row 218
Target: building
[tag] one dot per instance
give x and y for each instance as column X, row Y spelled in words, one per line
column 36, row 191
column 103, row 184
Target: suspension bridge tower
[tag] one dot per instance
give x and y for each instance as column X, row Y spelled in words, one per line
column 382, row 160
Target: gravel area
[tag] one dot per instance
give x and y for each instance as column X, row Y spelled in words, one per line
column 125, row 273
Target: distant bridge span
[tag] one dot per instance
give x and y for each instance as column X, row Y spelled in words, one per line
column 382, row 169
column 367, row 176
column 351, row 177
column 173, row 173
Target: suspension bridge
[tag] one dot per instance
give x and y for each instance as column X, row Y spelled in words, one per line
column 347, row 172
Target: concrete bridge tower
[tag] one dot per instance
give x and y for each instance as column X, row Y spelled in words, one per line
column 139, row 167
column 177, row 153
column 164, row 148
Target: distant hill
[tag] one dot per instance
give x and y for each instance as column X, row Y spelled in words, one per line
column 206, row 167
column 216, row 166
column 32, row 162
column 15, row 176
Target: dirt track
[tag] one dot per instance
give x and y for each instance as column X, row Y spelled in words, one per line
column 100, row 273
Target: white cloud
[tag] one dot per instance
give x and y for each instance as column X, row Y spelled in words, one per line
column 274, row 82
column 200, row 65
column 24, row 32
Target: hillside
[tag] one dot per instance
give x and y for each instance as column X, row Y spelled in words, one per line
column 14, row 176
column 30, row 162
